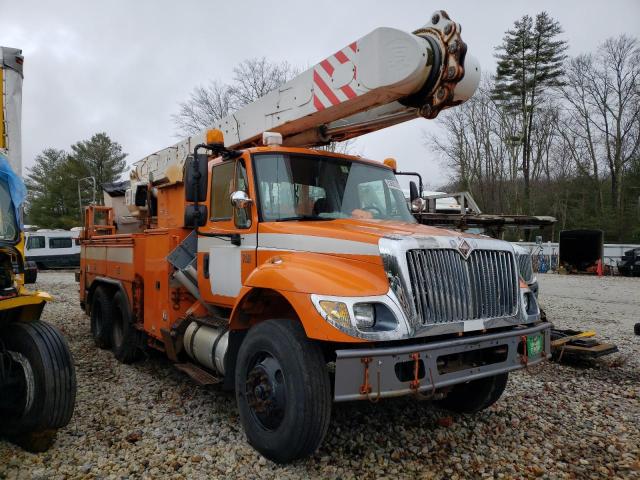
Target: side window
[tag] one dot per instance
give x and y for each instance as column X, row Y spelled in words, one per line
column 64, row 242
column 221, row 189
column 35, row 242
column 242, row 216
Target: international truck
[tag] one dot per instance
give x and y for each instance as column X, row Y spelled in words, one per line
column 298, row 277
column 37, row 375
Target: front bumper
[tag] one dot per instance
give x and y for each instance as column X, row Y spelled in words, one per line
column 382, row 372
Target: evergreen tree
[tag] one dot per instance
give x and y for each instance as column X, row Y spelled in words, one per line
column 52, row 196
column 100, row 158
column 52, row 183
column 529, row 64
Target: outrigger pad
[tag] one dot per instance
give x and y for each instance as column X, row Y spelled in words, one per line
column 577, row 345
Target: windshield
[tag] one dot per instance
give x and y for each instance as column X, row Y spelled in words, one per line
column 307, row 187
column 8, row 225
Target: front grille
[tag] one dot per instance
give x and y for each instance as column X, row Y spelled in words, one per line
column 524, row 266
column 448, row 288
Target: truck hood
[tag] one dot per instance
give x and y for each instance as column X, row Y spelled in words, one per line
column 344, row 237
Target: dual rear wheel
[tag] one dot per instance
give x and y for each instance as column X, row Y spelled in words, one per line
column 112, row 326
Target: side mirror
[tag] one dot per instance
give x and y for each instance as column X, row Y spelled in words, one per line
column 413, row 191
column 196, row 179
column 195, row 216
column 240, row 199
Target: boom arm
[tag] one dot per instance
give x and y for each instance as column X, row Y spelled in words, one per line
column 384, row 78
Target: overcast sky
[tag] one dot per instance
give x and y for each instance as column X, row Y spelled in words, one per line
column 123, row 66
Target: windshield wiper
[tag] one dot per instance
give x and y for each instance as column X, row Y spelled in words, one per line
column 303, row 217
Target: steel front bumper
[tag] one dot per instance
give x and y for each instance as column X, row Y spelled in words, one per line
column 395, row 371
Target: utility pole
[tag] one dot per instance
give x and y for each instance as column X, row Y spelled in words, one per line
column 91, row 180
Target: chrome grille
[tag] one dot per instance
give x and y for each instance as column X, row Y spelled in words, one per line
column 525, row 267
column 448, row 288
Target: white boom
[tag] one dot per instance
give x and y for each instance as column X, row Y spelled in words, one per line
column 384, row 78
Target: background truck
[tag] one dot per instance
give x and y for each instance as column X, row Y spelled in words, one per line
column 297, row 276
column 37, row 376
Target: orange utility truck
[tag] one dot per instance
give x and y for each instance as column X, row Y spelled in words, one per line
column 297, row 276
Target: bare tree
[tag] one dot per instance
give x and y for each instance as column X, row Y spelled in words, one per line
column 478, row 144
column 603, row 94
column 253, row 78
column 204, row 107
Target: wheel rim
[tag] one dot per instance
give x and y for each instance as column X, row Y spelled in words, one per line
column 265, row 391
column 18, row 384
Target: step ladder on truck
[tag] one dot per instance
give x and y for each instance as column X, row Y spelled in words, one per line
column 37, row 376
column 298, row 276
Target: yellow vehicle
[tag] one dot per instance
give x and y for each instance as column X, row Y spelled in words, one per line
column 37, row 376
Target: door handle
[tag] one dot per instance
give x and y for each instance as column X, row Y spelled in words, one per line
column 205, row 270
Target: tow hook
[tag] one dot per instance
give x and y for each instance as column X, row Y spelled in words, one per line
column 365, row 388
column 415, row 383
column 524, row 358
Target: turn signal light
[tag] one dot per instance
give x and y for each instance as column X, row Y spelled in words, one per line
column 336, row 311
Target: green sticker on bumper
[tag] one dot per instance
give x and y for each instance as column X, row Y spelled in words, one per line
column 535, row 345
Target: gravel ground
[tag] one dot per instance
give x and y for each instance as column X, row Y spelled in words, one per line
column 554, row 421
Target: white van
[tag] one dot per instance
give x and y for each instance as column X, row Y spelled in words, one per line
column 53, row 248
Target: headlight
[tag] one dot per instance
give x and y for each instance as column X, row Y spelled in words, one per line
column 336, row 311
column 365, row 315
column 527, row 302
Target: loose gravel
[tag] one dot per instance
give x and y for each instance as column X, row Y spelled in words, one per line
column 554, row 421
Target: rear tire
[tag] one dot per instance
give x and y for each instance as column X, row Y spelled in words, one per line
column 126, row 340
column 476, row 395
column 46, row 397
column 282, row 390
column 101, row 318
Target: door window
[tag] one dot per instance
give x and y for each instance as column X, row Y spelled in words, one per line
column 227, row 178
column 221, row 189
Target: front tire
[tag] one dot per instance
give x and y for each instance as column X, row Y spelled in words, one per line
column 282, row 390
column 471, row 397
column 43, row 397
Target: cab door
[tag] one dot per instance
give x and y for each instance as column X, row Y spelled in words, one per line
column 228, row 241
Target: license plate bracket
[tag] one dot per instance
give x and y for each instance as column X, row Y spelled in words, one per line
column 535, row 345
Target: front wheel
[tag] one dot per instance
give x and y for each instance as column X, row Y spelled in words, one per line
column 39, row 387
column 282, row 390
column 476, row 395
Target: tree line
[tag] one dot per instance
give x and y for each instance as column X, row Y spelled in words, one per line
column 60, row 180
column 551, row 135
